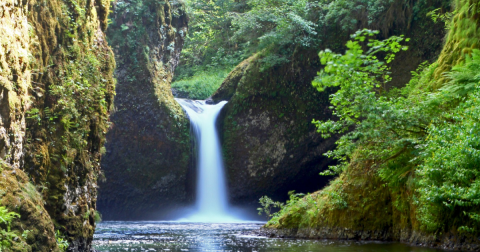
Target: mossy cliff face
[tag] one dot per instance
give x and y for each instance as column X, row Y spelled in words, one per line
column 57, row 91
column 462, row 38
column 15, row 80
column 16, row 193
column 270, row 145
column 148, row 146
column 22, row 197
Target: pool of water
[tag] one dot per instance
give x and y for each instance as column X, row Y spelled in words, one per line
column 231, row 237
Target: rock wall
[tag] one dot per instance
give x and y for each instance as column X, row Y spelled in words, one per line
column 148, row 146
column 57, row 90
column 16, row 193
column 270, row 145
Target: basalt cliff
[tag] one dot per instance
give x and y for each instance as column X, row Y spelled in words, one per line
column 57, row 91
column 148, row 163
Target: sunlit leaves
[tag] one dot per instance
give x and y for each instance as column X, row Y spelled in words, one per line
column 358, row 76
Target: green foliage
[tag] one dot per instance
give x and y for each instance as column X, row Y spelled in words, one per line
column 98, row 217
column 278, row 22
column 268, row 205
column 437, row 16
column 279, row 27
column 358, row 78
column 415, row 138
column 7, row 236
column 449, row 178
column 208, row 44
column 202, row 85
column 276, row 27
column 62, row 242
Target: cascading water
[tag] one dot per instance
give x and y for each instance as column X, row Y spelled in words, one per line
column 212, row 199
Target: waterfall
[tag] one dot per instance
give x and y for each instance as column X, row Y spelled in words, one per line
column 212, row 197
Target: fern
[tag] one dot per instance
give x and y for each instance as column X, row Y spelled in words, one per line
column 6, row 235
column 464, row 77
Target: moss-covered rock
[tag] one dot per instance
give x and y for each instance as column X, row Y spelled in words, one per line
column 270, row 145
column 358, row 205
column 22, row 197
column 462, row 39
column 57, row 91
column 148, row 150
column 230, row 84
column 16, row 193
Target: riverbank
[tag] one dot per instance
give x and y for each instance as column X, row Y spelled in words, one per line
column 446, row 241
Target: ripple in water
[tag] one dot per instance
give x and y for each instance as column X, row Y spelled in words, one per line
column 231, row 237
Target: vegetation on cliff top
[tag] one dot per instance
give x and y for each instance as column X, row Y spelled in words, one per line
column 209, row 52
column 225, row 32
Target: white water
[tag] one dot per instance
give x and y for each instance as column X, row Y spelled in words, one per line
column 212, row 197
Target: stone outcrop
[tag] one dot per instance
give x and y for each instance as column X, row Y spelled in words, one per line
column 364, row 209
column 448, row 241
column 270, row 145
column 148, row 146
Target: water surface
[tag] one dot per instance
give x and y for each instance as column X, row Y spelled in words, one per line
column 231, row 237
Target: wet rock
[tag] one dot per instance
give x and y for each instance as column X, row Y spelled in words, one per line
column 179, row 94
column 270, row 145
column 445, row 241
column 148, row 160
column 210, row 101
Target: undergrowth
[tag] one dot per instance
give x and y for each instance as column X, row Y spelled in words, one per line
column 420, row 141
column 202, row 85
column 7, row 236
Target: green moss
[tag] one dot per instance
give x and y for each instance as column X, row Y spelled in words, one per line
column 357, row 200
column 20, row 196
column 72, row 94
column 57, row 78
column 461, row 40
column 230, row 84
